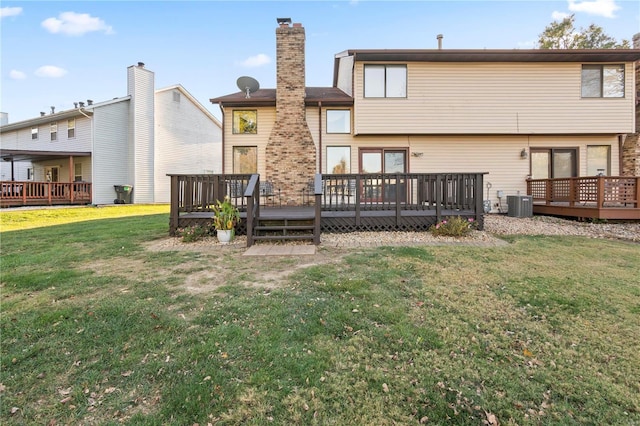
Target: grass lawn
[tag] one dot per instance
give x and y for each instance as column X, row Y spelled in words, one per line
column 99, row 328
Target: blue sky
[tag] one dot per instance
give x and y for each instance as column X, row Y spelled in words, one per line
column 57, row 53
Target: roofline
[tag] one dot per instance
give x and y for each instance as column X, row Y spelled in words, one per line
column 494, row 55
column 197, row 103
column 63, row 115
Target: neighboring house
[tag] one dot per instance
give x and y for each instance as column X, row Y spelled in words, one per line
column 132, row 140
column 515, row 114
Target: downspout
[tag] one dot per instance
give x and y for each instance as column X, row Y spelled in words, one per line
column 223, row 150
column 319, row 136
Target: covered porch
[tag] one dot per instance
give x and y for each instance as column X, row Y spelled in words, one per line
column 330, row 203
column 54, row 179
column 593, row 197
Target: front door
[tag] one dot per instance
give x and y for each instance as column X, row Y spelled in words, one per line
column 378, row 161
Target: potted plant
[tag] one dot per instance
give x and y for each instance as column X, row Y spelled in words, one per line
column 226, row 215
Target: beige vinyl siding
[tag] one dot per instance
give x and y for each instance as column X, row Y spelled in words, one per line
column 266, row 118
column 499, row 156
column 493, row 98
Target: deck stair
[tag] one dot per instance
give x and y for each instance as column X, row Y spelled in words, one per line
column 284, row 227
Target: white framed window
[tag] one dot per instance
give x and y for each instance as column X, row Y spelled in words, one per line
column 338, row 159
column 77, row 169
column 338, row 121
column 385, row 81
column 34, row 133
column 603, row 81
column 71, row 128
column 245, row 121
column 245, row 159
column 54, row 131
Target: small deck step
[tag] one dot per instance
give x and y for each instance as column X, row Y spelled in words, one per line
column 284, row 228
column 282, row 237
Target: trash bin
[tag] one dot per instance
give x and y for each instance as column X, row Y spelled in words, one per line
column 124, row 194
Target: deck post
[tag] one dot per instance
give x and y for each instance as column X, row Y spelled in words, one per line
column 479, row 204
column 438, row 199
column 359, row 190
column 175, row 206
column 574, row 192
column 637, row 202
column 600, row 192
column 317, row 219
column 398, row 209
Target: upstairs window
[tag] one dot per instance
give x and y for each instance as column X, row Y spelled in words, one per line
column 34, row 133
column 385, row 81
column 54, row 131
column 245, row 122
column 603, row 81
column 71, row 128
column 338, row 121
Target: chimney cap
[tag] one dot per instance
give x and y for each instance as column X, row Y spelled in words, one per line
column 141, row 64
column 284, row 21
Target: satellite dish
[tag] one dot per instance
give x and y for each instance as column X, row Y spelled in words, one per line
column 248, row 85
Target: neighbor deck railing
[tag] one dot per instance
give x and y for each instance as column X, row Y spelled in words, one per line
column 30, row 193
column 596, row 191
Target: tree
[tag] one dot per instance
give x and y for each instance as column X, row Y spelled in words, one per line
column 563, row 35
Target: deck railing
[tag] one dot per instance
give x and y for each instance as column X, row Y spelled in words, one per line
column 403, row 191
column 596, row 191
column 349, row 197
column 30, row 193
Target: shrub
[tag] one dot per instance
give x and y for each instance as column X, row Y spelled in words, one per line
column 191, row 234
column 453, row 227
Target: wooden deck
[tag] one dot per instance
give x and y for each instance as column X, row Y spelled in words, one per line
column 594, row 197
column 30, row 193
column 332, row 203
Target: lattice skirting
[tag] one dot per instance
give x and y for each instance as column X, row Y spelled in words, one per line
column 185, row 222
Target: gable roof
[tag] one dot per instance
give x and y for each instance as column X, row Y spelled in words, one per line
column 193, row 100
column 327, row 96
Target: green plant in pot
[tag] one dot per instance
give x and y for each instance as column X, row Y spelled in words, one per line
column 226, row 215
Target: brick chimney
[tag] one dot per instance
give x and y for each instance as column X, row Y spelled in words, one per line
column 290, row 152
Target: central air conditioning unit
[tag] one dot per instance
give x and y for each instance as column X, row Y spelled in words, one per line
column 520, row 205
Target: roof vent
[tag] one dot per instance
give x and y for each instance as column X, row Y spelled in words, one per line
column 440, row 37
column 89, row 101
column 42, row 114
column 75, row 105
column 81, row 104
column 53, row 110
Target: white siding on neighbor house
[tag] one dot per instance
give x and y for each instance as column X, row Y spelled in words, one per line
column 497, row 155
column 266, row 118
column 493, row 98
column 141, row 122
column 345, row 71
column 186, row 141
column 111, row 158
column 21, row 139
column 19, row 170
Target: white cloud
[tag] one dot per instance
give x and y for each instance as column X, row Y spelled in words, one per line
column 559, row 16
column 75, row 24
column 51, row 71
column 604, row 8
column 10, row 11
column 17, row 75
column 256, row 61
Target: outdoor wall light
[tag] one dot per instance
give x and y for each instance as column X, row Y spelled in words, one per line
column 523, row 154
